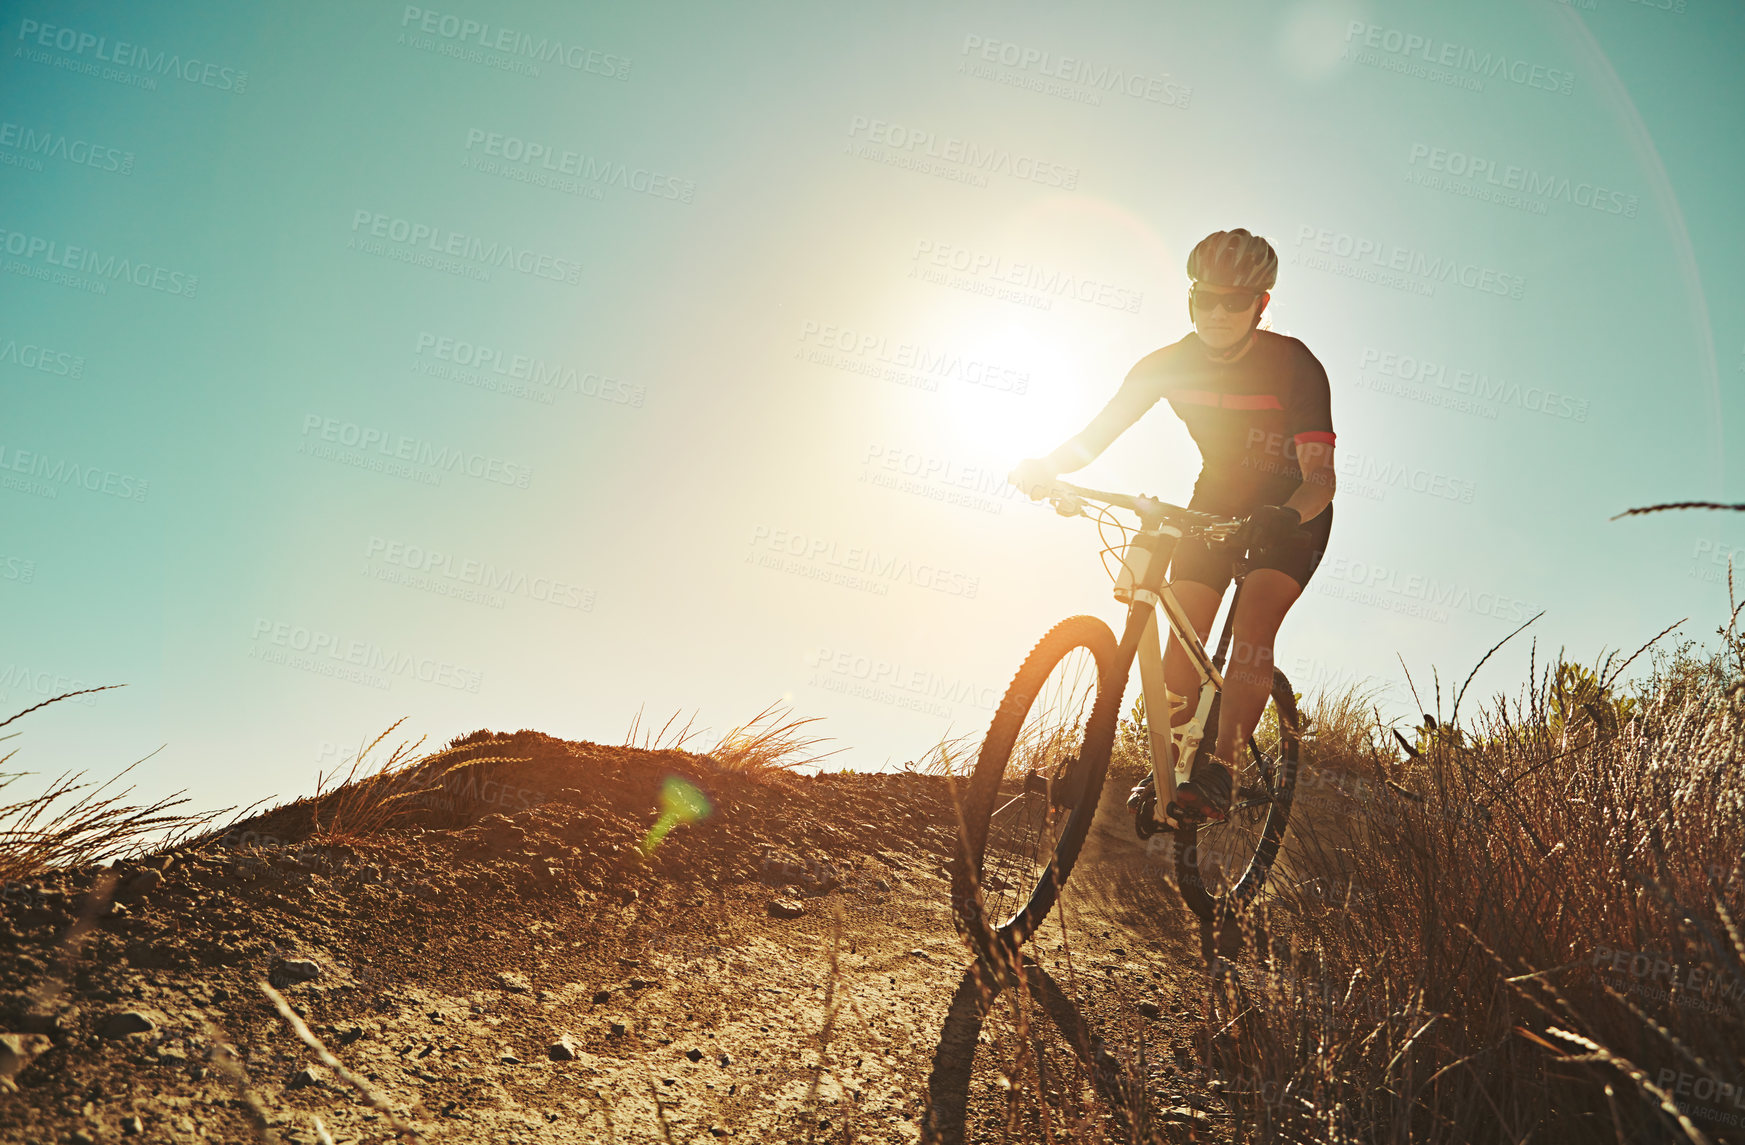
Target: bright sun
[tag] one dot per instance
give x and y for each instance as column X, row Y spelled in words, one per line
column 1014, row 404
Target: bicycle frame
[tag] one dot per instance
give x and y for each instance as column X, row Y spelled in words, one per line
column 1150, row 609
column 1152, row 605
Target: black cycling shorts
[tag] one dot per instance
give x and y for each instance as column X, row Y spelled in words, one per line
column 1211, row 565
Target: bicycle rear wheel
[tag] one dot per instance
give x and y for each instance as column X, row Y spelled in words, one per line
column 1221, row 866
column 1037, row 779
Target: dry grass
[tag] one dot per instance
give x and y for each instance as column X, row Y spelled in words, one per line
column 376, row 788
column 953, row 756
column 362, row 805
column 74, row 823
column 402, row 783
column 230, row 1067
column 370, row 1096
column 768, row 742
column 1438, row 963
column 1521, row 924
column 668, row 738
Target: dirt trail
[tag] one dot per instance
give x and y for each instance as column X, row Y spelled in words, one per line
column 1113, row 1011
column 501, row 965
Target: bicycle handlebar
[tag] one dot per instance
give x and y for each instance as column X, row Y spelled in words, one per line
column 1150, row 510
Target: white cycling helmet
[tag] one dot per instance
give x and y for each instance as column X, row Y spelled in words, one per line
column 1234, row 258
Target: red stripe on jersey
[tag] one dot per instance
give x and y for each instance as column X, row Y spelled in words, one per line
column 1251, row 401
column 1322, row 436
column 1226, row 401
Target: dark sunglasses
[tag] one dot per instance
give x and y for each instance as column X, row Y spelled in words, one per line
column 1236, row 301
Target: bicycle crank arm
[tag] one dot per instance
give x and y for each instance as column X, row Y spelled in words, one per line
column 1060, row 794
column 1059, row 790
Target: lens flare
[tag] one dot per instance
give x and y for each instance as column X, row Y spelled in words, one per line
column 680, row 802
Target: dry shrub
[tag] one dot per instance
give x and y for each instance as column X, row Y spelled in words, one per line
column 1518, row 926
column 362, row 805
column 363, row 797
column 769, row 741
column 403, row 786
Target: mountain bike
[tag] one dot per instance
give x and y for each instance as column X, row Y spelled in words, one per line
column 1040, row 772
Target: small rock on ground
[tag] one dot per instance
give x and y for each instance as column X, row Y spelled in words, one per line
column 785, row 908
column 16, row 1050
column 126, row 1022
column 291, row 970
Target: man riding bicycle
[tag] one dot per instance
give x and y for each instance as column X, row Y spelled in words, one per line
column 1258, row 406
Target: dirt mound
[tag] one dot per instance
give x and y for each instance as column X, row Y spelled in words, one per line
column 483, row 942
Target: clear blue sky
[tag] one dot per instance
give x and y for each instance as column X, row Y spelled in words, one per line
column 521, row 365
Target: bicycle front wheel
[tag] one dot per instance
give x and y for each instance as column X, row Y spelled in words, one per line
column 1037, row 779
column 1222, row 865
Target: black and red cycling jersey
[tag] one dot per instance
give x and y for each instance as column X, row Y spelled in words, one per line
column 1247, row 416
